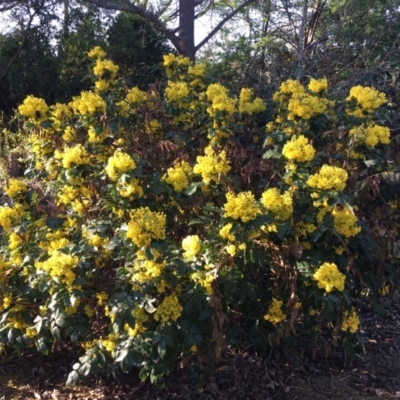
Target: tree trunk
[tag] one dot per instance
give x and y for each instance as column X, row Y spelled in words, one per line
column 66, row 18
column 186, row 28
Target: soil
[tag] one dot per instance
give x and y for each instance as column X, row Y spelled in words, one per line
column 240, row 375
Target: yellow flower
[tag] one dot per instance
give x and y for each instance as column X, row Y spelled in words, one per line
column 35, row 109
column 368, row 100
column 298, row 149
column 77, row 155
column 345, row 222
column 118, row 164
column 105, row 67
column 371, row 135
column 350, row 321
column 225, row 232
column 60, row 267
column 281, row 205
column 135, row 95
column 88, row 103
column 318, row 85
column 246, row 105
column 15, row 187
column 211, row 165
column 101, row 297
column 220, row 101
column 275, row 313
column 328, row 177
column 191, row 244
column 178, row 176
column 329, row 277
column 176, row 91
column 242, row 206
column 130, row 189
column 169, row 310
column 145, row 225
column 97, row 52
column 8, row 216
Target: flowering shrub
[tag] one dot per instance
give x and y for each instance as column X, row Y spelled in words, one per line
column 160, row 228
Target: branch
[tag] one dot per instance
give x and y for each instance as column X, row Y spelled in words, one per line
column 127, row 6
column 18, row 52
column 222, row 23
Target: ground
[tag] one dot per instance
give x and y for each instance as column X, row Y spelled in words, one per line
column 241, row 375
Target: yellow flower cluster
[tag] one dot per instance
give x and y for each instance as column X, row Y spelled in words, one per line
column 130, row 189
column 88, row 103
column 288, row 88
column 248, row 106
column 176, row 91
column 78, row 197
column 306, row 106
column 328, row 177
column 372, row 134
column 105, row 67
column 178, row 176
column 35, row 109
column 14, row 241
column 368, row 99
column 169, row 310
column 145, row 225
column 345, row 222
column 109, row 344
column 146, row 270
column 60, row 112
column 9, row 215
column 211, row 165
column 191, row 244
column 118, row 164
column 242, row 206
column 59, row 266
column 329, row 277
column 220, row 101
column 318, row 85
column 350, row 321
column 101, row 298
column 141, row 318
column 135, row 95
column 173, row 63
column 281, row 205
column 204, row 280
column 225, row 233
column 76, row 155
column 304, row 229
column 298, row 149
column 94, row 239
column 97, row 52
column 275, row 313
column 69, row 134
column 198, row 72
column 15, row 187
column 4, row 266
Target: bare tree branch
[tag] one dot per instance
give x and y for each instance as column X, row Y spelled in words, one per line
column 222, row 23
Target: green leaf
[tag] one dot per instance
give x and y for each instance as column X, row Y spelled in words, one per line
column 85, row 369
column 191, row 189
column 73, row 378
column 169, row 341
column 149, row 306
column 162, row 348
column 283, row 229
column 55, row 331
column 370, row 163
column 121, row 354
column 272, row 154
